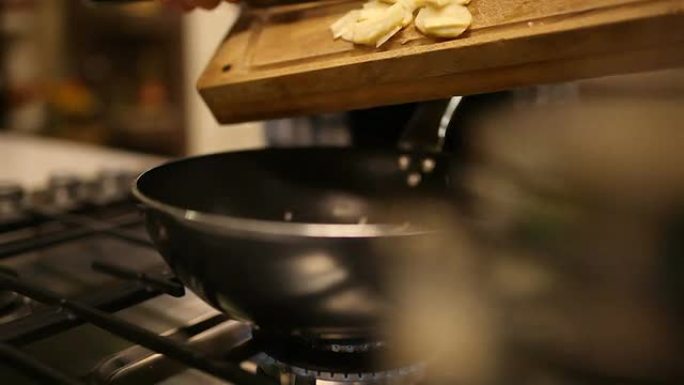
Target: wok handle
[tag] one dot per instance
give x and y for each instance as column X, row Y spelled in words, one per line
column 427, row 128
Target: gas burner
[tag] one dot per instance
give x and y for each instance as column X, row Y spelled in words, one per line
column 236, row 342
column 294, row 375
column 296, row 360
column 110, row 185
column 354, row 347
column 12, row 206
column 64, row 191
column 12, row 305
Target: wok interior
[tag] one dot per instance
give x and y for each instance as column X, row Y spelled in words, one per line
column 316, row 185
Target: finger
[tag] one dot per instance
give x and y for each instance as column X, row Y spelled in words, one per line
column 172, row 4
column 187, row 5
column 178, row 5
column 207, row 4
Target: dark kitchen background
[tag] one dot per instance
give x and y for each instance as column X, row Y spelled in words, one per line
column 122, row 75
column 112, row 75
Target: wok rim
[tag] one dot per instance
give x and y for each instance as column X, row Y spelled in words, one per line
column 232, row 224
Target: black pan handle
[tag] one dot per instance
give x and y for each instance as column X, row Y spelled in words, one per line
column 427, row 128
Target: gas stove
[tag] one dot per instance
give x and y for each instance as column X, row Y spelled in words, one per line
column 86, row 299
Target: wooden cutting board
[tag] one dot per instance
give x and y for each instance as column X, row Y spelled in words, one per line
column 282, row 61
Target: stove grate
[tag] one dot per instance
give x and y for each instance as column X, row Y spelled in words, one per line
column 38, row 241
column 42, row 229
column 170, row 286
column 35, row 368
column 220, row 369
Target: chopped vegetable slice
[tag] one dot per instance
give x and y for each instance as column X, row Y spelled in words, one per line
column 449, row 21
column 344, row 24
column 370, row 31
column 378, row 20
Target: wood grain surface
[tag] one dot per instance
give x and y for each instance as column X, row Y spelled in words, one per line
column 282, row 61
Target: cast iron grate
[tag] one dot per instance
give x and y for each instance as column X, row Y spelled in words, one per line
column 63, row 313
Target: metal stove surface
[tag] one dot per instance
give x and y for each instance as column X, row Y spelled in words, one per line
column 234, row 341
column 93, row 254
column 85, row 298
column 79, row 351
column 79, row 235
column 99, row 306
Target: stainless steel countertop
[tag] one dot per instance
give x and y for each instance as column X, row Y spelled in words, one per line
column 29, row 160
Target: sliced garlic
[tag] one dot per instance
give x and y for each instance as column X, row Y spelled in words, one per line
column 439, row 22
column 445, row 32
column 375, row 4
column 408, row 18
column 384, row 39
column 441, row 3
column 344, row 25
column 420, row 19
column 372, row 9
column 378, row 20
column 448, row 21
column 374, row 29
column 409, row 5
column 348, row 34
column 436, row 3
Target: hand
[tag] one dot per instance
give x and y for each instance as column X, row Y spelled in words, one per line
column 189, row 5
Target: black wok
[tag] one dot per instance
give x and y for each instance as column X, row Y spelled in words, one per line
column 295, row 240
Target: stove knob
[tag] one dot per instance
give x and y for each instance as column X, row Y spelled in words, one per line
column 64, row 190
column 11, row 200
column 111, row 185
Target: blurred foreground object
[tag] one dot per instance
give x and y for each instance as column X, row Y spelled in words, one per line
column 580, row 199
column 566, row 264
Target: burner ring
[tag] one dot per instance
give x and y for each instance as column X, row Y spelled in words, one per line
column 13, row 306
column 405, row 373
column 352, row 360
column 355, row 348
